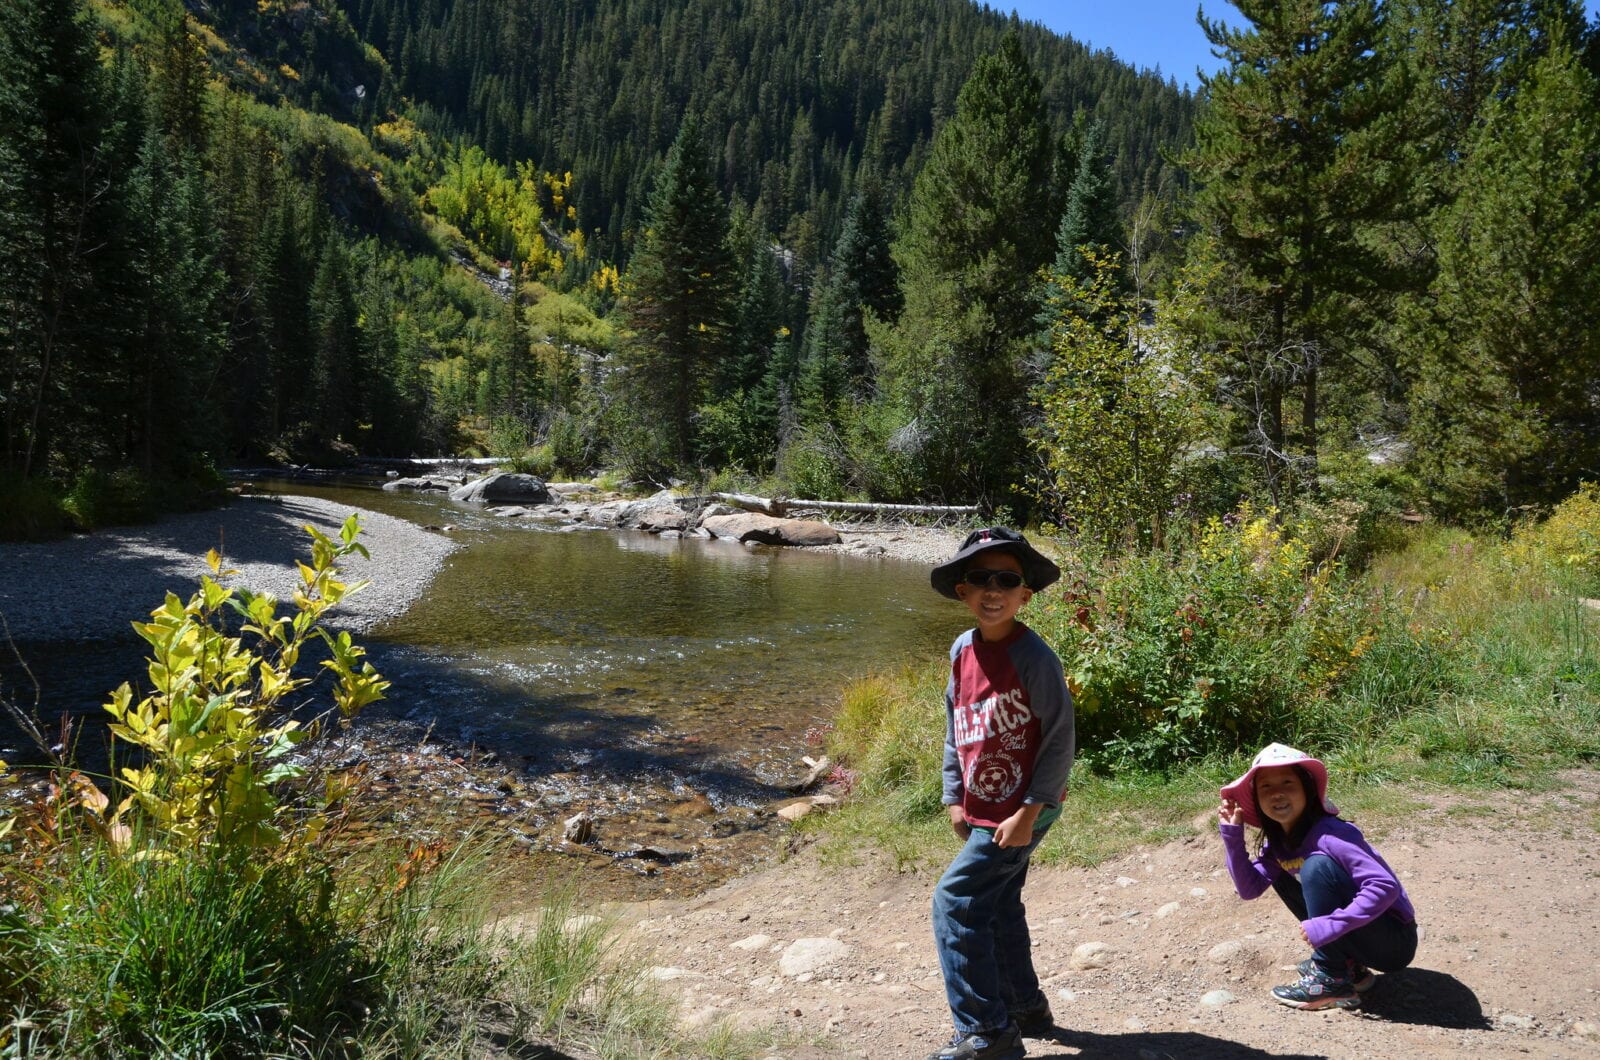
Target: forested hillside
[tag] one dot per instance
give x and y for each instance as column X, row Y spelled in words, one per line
column 895, row 249
column 799, row 100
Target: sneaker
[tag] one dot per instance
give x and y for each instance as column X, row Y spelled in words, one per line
column 1317, row 989
column 1360, row 978
column 996, row 1045
column 1036, row 1021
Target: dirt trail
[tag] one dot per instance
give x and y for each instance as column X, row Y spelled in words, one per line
column 1506, row 884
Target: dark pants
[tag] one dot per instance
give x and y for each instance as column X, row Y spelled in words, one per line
column 1385, row 945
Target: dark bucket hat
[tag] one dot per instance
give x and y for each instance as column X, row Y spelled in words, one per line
column 1037, row 571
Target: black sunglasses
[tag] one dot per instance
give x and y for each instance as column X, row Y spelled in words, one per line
column 981, row 578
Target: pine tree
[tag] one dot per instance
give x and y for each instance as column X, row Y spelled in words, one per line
column 50, row 184
column 862, row 278
column 1303, row 145
column 680, row 294
column 977, row 236
column 1505, row 348
column 335, row 358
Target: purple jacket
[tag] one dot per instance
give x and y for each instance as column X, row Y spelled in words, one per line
column 1378, row 891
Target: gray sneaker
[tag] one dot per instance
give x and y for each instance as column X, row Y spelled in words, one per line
column 1360, row 978
column 996, row 1045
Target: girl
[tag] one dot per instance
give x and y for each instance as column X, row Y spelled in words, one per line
column 1353, row 912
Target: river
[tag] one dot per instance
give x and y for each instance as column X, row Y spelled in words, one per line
column 666, row 688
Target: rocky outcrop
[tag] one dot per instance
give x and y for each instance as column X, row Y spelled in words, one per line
column 423, row 484
column 664, row 513
column 766, row 530
column 503, row 487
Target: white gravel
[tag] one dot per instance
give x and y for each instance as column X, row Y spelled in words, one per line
column 90, row 587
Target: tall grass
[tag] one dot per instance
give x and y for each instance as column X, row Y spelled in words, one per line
column 392, row 957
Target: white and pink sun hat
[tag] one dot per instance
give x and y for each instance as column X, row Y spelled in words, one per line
column 1243, row 790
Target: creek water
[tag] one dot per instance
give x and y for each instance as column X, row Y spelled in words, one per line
column 666, row 688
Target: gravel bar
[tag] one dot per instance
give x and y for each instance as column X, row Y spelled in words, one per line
column 91, row 586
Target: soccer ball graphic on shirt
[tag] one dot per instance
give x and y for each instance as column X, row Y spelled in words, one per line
column 994, row 777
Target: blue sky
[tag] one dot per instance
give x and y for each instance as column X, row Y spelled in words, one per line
column 1144, row 33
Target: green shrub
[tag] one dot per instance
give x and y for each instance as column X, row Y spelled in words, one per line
column 535, row 460
column 571, row 441
column 1566, row 545
column 31, row 509
column 812, row 465
column 1238, row 640
column 110, row 498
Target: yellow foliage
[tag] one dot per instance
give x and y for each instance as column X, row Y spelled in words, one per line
column 288, row 71
column 1566, row 542
column 215, row 729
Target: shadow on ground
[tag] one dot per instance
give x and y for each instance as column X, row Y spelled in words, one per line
column 1157, row 1045
column 1428, row 998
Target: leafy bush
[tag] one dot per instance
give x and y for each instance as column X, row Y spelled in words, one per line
column 571, row 442
column 31, row 510
column 535, row 460
column 1238, row 640
column 1566, row 545
column 109, row 498
column 812, row 463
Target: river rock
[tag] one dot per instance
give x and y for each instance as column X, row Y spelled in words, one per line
column 795, row 810
column 503, row 487
column 812, row 955
column 660, row 511
column 753, row 527
column 578, row 829
column 422, row 484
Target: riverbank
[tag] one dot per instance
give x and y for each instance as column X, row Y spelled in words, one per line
column 90, row 586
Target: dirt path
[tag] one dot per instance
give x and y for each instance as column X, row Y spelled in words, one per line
column 1507, row 885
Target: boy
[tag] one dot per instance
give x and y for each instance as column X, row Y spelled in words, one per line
column 1009, row 742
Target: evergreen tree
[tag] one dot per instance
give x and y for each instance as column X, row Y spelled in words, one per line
column 680, row 295
column 1504, row 410
column 51, row 184
column 862, row 278
column 335, row 353
column 1302, row 147
column 976, row 238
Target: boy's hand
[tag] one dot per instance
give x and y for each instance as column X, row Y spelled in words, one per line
column 958, row 821
column 1230, row 812
column 1017, row 830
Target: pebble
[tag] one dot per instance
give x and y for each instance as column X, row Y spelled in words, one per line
column 1167, row 910
column 1217, row 998
column 753, row 942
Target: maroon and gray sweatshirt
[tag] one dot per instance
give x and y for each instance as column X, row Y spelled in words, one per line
column 1009, row 728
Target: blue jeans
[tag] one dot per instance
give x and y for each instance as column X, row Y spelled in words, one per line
column 1385, row 945
column 981, row 931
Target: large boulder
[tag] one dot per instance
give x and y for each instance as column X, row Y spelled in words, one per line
column 423, row 484
column 503, row 487
column 766, row 530
column 658, row 512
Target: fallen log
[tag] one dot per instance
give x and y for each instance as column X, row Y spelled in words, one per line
column 778, row 506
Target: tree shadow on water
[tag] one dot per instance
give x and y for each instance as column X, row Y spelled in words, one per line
column 1428, row 998
column 1155, row 1045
